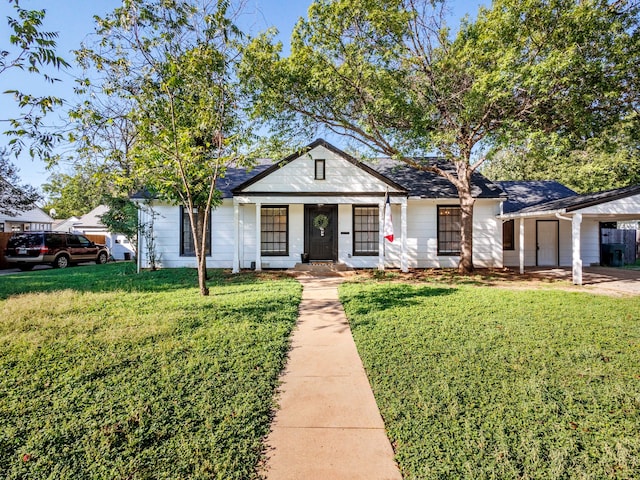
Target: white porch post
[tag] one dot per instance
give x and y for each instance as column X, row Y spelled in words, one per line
column 236, row 237
column 404, row 264
column 577, row 257
column 258, row 237
column 521, row 243
column 381, row 236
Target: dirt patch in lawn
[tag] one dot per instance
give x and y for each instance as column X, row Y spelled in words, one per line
column 595, row 281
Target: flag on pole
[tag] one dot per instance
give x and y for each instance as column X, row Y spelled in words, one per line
column 388, row 225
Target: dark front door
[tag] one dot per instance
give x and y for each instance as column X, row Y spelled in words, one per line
column 321, row 232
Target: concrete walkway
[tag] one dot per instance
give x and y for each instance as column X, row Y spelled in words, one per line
column 328, row 426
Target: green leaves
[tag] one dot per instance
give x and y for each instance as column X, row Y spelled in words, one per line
column 171, row 68
column 30, row 49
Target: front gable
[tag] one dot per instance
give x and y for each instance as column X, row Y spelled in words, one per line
column 298, row 174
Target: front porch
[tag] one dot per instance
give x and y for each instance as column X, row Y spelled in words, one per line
column 281, row 231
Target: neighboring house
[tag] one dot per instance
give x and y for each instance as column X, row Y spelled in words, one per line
column 324, row 205
column 65, row 225
column 91, row 224
column 33, row 219
column 328, row 206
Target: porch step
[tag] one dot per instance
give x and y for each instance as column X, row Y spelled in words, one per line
column 320, row 267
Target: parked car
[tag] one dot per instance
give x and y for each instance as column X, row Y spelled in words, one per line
column 27, row 249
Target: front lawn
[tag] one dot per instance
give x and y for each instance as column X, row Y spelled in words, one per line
column 480, row 382
column 111, row 375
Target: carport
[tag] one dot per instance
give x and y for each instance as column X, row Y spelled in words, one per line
column 566, row 231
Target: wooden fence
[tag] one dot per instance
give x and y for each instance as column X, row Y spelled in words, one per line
column 4, row 239
column 101, row 239
column 626, row 237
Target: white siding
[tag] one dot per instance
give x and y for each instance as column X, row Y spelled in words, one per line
column 422, row 242
column 589, row 243
column 564, row 232
column 166, row 228
column 623, row 206
column 487, row 234
column 299, row 176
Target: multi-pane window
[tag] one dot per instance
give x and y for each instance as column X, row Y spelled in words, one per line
column 508, row 235
column 449, row 230
column 319, row 169
column 274, row 226
column 187, row 246
column 366, row 224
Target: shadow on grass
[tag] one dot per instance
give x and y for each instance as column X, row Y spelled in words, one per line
column 384, row 297
column 112, row 277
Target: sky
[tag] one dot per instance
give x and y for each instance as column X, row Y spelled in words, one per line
column 73, row 20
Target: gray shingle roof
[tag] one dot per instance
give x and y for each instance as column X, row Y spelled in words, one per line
column 430, row 185
column 397, row 174
column 586, row 200
column 523, row 194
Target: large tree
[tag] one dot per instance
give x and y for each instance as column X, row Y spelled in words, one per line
column 77, row 193
column 390, row 75
column 610, row 160
column 174, row 64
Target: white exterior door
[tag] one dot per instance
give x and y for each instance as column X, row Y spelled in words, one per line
column 547, row 243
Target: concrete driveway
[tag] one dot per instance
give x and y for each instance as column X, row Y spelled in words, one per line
column 7, row 271
column 608, row 280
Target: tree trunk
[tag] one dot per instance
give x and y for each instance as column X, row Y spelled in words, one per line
column 202, row 276
column 201, row 250
column 466, row 229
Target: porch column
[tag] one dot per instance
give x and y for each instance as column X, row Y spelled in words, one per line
column 381, row 235
column 236, row 237
column 577, row 257
column 521, row 244
column 258, row 237
column 404, row 264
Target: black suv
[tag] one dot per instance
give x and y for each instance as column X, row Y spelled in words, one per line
column 27, row 249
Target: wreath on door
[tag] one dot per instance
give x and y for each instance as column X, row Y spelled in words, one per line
column 321, row 222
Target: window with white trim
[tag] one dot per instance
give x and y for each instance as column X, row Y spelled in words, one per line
column 508, row 235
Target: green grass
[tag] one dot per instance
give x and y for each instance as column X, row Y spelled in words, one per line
column 111, row 375
column 489, row 383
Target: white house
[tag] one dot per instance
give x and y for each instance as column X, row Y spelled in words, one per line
column 324, row 205
column 32, row 219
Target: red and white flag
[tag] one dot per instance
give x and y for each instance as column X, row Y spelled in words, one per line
column 388, row 225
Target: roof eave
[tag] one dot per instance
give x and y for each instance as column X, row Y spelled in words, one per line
column 318, row 143
column 538, row 213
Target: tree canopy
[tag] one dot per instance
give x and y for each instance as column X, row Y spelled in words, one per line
column 390, row 75
column 14, row 197
column 172, row 65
